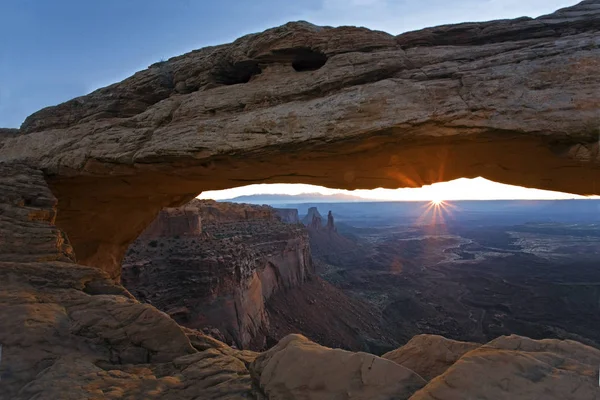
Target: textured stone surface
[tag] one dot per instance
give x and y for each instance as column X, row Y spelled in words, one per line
column 518, row 368
column 429, row 355
column 513, row 101
column 300, row 369
column 215, row 265
column 27, row 215
column 69, row 332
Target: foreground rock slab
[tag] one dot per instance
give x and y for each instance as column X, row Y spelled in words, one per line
column 297, row 368
column 69, row 332
column 430, row 355
column 518, row 368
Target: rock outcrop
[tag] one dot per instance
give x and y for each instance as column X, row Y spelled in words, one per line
column 430, row 355
column 174, row 222
column 518, row 368
column 7, row 133
column 513, row 101
column 69, row 332
column 510, row 367
column 300, row 369
column 215, row 265
column 313, row 219
column 326, row 243
column 288, row 215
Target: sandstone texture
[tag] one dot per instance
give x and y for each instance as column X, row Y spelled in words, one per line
column 430, row 355
column 68, row 331
column 244, row 274
column 515, row 101
column 215, row 265
column 515, row 368
column 300, row 369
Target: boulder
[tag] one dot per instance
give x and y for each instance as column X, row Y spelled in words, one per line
column 297, row 368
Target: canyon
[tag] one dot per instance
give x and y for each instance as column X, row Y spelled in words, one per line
column 515, row 101
column 244, row 275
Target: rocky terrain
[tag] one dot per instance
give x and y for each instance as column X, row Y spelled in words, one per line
column 244, row 274
column 210, row 264
column 515, row 101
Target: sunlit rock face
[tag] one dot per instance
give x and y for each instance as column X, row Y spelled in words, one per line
column 68, row 331
column 215, row 265
column 514, row 101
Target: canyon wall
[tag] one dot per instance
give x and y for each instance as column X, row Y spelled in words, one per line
column 215, row 265
column 288, row 215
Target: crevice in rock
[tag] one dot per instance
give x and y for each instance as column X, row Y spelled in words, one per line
column 229, row 73
column 308, row 60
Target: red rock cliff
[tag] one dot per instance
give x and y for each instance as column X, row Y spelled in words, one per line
column 211, row 264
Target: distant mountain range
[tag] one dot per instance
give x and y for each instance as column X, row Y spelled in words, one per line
column 296, row 198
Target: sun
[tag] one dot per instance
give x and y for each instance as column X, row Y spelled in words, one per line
column 437, row 202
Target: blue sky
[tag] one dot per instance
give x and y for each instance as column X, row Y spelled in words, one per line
column 54, row 50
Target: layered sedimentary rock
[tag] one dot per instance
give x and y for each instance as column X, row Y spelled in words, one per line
column 68, row 331
column 215, row 265
column 313, row 218
column 326, row 243
column 288, row 215
column 515, row 101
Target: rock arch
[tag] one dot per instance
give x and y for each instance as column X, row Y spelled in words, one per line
column 514, row 101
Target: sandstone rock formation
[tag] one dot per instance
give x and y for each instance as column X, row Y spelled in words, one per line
column 300, row 369
column 241, row 274
column 429, row 355
column 313, row 219
column 7, row 133
column 210, row 264
column 330, row 223
column 288, row 215
column 68, row 331
column 515, row 368
column 515, row 101
column 178, row 221
column 326, row 243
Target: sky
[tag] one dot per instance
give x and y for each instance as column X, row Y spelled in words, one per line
column 459, row 189
column 54, row 50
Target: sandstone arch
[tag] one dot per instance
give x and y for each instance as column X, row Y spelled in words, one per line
column 515, row 101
